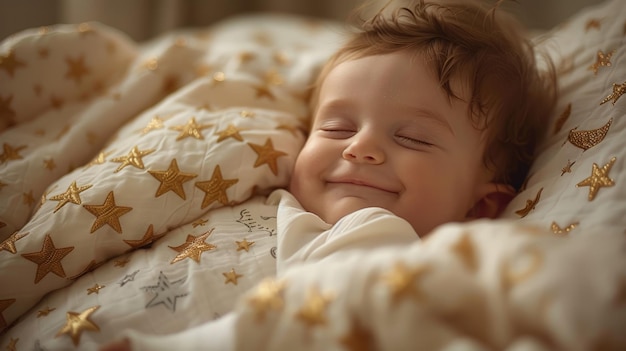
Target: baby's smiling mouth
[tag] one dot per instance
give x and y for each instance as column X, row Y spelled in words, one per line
column 360, row 183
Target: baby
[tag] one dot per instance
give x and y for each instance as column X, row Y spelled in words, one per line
column 429, row 114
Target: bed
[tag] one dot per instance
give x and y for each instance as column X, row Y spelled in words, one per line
column 133, row 196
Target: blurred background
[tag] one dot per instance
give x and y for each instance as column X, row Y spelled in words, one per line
column 144, row 19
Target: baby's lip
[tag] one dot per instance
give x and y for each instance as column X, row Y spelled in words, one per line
column 361, row 182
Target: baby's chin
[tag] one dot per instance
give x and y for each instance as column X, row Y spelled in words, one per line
column 332, row 214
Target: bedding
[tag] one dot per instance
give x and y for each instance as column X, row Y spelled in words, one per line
column 133, row 196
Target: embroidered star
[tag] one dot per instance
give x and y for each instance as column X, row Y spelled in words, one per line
column 567, row 168
column 122, row 262
column 592, row 23
column 602, row 60
column 401, row 281
column 313, row 312
column 599, row 178
column 273, row 77
column 230, row 132
column 191, row 129
column 48, row 259
column 9, row 63
column 72, row 194
column 28, row 199
column 215, row 188
column 244, row 245
column 193, row 247
column 267, row 155
column 231, row 276
column 264, row 91
column 267, row 296
column 45, row 312
column 12, row 346
column 9, row 243
column 199, row 222
column 95, row 289
column 6, row 112
column 98, row 160
column 586, row 139
column 530, row 205
column 49, row 164
column 76, row 68
column 148, row 238
column 166, row 292
column 618, row 91
column 10, row 153
column 556, row 229
column 358, row 338
column 107, row 213
column 4, row 304
column 172, row 179
column 134, row 158
column 128, row 278
column 155, row 123
column 77, row 323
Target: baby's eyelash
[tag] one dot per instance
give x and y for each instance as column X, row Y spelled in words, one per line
column 414, row 141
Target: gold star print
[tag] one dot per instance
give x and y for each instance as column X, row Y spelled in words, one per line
column 49, row 164
column 215, row 188
column 267, row 296
column 48, row 259
column 98, row 160
column 193, row 247
column 56, row 103
column 246, row 114
column 85, row 28
column 280, row 58
column 464, row 249
column 72, row 194
column 264, row 91
column 77, row 323
column 76, row 68
column 530, row 205
column 563, row 118
column 267, row 155
column 155, row 123
column 10, row 153
column 358, row 338
column 230, row 132
column 95, row 289
column 122, row 262
column 28, row 199
column 273, row 77
column 401, row 280
column 147, row 238
column 586, row 139
column 599, row 178
column 246, row 56
column 199, row 222
column 45, row 312
column 9, row 63
column 231, row 276
column 107, row 213
column 9, row 243
column 12, row 346
column 172, row 179
column 244, row 245
column 134, row 158
column 150, row 64
column 6, row 112
column 602, row 60
column 4, row 304
column 313, row 312
column 618, row 91
column 191, row 129
column 556, row 229
column 592, row 23
column 567, row 168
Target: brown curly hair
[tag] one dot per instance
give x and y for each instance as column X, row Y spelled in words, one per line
column 485, row 49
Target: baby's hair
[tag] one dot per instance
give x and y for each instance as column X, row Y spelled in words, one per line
column 481, row 48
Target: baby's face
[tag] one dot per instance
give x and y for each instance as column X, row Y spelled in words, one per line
column 386, row 135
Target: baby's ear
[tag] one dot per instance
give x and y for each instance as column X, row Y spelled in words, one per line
column 492, row 200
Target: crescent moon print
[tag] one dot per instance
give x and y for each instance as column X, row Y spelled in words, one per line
column 586, row 139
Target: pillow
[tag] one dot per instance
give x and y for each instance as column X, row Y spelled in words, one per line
column 578, row 180
column 199, row 120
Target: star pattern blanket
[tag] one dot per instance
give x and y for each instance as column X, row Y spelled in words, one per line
column 133, row 196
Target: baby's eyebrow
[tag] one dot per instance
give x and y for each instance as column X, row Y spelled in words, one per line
column 430, row 114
